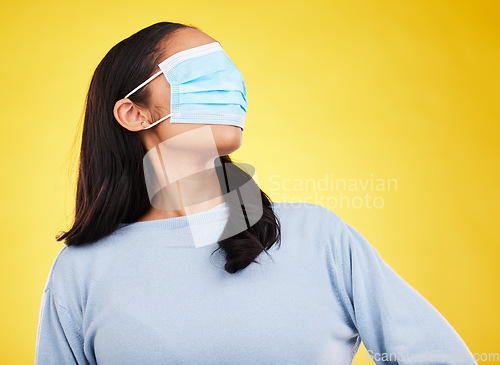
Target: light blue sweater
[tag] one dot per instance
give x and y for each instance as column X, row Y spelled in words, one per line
column 146, row 295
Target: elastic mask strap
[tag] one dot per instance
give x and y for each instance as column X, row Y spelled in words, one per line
column 144, row 83
column 160, row 120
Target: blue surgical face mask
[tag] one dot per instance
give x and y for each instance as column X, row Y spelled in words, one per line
column 205, row 87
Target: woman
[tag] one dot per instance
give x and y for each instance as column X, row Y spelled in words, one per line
column 157, row 193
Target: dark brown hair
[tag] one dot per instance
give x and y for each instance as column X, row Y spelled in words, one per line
column 111, row 187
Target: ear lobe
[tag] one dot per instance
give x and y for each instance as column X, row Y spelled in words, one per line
column 127, row 114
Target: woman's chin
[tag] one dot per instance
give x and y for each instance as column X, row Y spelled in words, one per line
column 228, row 138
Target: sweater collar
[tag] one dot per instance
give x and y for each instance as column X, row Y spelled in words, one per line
column 218, row 213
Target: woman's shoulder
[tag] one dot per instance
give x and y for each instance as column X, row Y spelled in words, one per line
column 73, row 265
column 308, row 222
column 307, row 213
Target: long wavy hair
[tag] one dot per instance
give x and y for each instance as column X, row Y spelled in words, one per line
column 111, row 187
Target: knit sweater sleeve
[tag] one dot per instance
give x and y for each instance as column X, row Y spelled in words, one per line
column 59, row 339
column 396, row 323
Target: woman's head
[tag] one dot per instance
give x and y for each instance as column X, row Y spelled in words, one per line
column 130, row 114
column 111, row 187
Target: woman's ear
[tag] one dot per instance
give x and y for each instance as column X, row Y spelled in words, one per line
column 128, row 115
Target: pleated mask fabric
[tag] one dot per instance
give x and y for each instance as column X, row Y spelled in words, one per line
column 206, row 87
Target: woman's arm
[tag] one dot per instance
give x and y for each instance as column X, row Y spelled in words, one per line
column 59, row 340
column 390, row 315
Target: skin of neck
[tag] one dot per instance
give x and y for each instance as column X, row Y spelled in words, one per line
column 182, row 175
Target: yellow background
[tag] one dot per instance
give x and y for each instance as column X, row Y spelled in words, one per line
column 404, row 90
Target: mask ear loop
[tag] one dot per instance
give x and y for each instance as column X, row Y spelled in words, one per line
column 144, row 84
column 159, row 121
